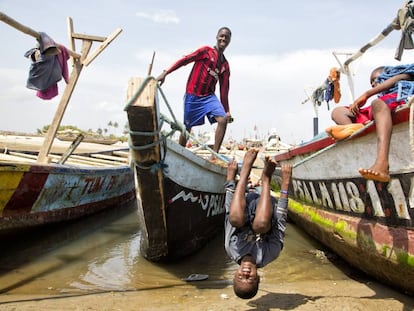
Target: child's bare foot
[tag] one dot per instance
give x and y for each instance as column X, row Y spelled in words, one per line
column 232, row 170
column 269, row 167
column 248, row 160
column 375, row 174
column 250, row 157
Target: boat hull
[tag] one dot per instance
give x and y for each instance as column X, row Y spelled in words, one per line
column 182, row 195
column 32, row 195
column 368, row 223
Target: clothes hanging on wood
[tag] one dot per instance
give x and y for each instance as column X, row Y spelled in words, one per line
column 47, row 67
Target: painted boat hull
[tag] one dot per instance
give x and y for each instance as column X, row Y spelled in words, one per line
column 370, row 224
column 33, row 195
column 182, row 195
column 192, row 197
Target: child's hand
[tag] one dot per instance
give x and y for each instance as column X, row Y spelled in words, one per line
column 359, row 102
column 286, row 173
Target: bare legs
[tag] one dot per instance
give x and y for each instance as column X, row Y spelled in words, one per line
column 220, row 132
column 264, row 209
column 218, row 137
column 380, row 169
column 262, row 220
column 341, row 115
column 238, row 203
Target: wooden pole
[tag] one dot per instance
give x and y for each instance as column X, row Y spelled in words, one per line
column 51, row 133
column 71, row 39
column 29, row 31
column 151, row 64
column 15, row 24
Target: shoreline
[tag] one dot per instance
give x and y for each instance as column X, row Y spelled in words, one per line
column 302, row 295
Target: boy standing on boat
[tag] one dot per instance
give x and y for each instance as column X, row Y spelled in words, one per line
column 393, row 84
column 255, row 223
column 200, row 100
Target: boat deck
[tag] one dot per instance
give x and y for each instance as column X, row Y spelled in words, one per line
column 24, row 149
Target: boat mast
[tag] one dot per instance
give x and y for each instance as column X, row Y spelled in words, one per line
column 345, row 66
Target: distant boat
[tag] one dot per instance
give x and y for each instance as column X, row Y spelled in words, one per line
column 370, row 224
column 181, row 193
column 274, row 144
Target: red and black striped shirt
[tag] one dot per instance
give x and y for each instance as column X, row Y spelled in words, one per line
column 207, row 70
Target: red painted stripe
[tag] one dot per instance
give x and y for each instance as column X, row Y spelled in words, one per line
column 26, row 193
column 400, row 116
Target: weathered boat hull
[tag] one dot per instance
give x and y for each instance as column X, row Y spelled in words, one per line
column 370, row 224
column 34, row 194
column 192, row 195
column 182, row 194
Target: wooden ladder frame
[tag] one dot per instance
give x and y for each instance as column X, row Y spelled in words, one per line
column 78, row 62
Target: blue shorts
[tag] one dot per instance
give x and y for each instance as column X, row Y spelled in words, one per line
column 197, row 107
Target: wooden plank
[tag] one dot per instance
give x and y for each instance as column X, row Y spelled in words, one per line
column 101, row 47
column 95, row 160
column 83, row 36
column 109, row 157
column 124, row 154
column 27, row 30
column 71, row 39
column 23, row 155
column 143, row 118
column 15, row 24
column 15, row 158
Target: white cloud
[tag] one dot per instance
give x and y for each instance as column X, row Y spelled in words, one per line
column 160, row 16
column 271, row 63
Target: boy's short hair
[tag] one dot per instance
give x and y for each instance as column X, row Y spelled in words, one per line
column 246, row 292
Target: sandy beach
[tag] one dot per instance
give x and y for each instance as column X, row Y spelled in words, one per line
column 329, row 296
column 347, row 293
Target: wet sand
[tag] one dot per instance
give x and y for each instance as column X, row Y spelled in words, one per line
column 84, row 274
column 295, row 281
column 301, row 295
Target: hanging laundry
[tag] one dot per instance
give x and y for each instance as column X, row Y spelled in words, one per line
column 49, row 65
column 405, row 22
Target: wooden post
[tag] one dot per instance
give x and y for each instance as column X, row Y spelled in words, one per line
column 51, row 133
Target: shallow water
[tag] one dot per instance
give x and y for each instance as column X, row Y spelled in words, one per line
column 102, row 253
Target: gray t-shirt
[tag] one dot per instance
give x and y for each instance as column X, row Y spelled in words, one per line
column 243, row 241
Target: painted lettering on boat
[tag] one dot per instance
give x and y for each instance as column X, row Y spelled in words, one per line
column 364, row 198
column 213, row 204
column 95, row 184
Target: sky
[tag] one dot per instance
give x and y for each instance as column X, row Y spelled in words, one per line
column 279, row 53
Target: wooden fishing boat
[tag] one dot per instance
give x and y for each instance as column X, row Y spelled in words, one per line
column 368, row 223
column 182, row 194
column 39, row 187
column 33, row 194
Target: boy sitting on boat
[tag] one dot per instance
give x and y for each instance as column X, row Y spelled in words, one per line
column 393, row 84
column 255, row 223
